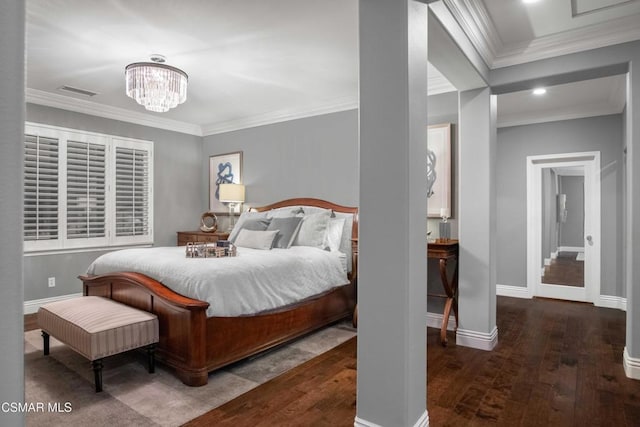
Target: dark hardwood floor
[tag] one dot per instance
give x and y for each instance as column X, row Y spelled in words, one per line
column 565, row 270
column 557, row 364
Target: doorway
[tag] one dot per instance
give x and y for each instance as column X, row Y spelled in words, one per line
column 563, row 218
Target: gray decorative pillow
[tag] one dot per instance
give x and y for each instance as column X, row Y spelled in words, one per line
column 247, row 215
column 258, row 224
column 313, row 230
column 256, row 239
column 288, row 230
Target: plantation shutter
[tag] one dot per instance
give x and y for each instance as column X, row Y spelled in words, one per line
column 132, row 192
column 86, row 187
column 40, row 188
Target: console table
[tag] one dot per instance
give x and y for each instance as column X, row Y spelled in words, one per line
column 444, row 251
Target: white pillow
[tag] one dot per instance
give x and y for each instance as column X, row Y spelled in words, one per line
column 286, row 212
column 313, row 230
column 345, row 244
column 334, row 234
column 255, row 239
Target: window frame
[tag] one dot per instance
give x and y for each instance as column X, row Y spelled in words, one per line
column 64, row 244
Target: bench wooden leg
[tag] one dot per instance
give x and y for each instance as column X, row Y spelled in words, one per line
column 97, row 374
column 45, row 339
column 151, row 354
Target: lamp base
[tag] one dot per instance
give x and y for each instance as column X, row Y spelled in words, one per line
column 231, row 216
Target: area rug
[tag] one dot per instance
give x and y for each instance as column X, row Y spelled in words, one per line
column 60, row 386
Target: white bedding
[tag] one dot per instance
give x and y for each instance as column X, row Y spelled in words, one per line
column 252, row 282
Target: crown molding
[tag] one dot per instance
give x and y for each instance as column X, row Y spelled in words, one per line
column 475, row 21
column 608, row 33
column 48, row 99
column 577, row 112
column 337, row 105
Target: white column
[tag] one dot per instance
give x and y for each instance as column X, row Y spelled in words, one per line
column 393, row 227
column 12, row 45
column 477, row 223
column 631, row 356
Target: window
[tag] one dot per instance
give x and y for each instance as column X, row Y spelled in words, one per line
column 85, row 190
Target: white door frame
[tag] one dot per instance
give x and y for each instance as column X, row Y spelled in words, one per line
column 591, row 163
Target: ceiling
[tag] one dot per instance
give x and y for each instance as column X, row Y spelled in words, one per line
column 255, row 62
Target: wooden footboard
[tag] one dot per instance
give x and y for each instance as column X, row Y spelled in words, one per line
column 182, row 320
column 195, row 345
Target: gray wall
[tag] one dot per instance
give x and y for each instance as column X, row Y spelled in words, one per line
column 178, row 201
column 310, row 157
column 12, row 48
column 602, row 134
column 572, row 230
column 290, row 159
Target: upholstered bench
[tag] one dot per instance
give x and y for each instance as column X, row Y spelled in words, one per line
column 98, row 327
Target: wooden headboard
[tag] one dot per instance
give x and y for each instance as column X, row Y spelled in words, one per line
column 319, row 203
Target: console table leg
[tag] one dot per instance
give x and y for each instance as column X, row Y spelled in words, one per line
column 445, row 321
column 450, row 296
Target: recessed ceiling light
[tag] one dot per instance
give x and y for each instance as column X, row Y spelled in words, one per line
column 530, row 1
column 539, row 91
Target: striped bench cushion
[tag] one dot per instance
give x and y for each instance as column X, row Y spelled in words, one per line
column 98, row 327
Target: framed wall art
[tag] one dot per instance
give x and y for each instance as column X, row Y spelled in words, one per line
column 439, row 143
column 223, row 169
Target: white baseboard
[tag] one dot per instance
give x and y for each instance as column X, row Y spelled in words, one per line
column 631, row 365
column 434, row 320
column 479, row 340
column 547, row 261
column 423, row 421
column 554, row 255
column 32, row 306
column 570, row 249
column 610, row 301
column 513, row 291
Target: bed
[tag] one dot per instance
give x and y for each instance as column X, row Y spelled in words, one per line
column 195, row 344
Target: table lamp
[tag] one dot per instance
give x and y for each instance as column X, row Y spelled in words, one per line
column 231, row 194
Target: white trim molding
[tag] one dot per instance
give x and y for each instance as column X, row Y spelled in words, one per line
column 480, row 340
column 68, row 103
column 570, row 249
column 48, row 99
column 423, row 421
column 336, row 105
column 32, row 306
column 513, row 291
column 590, row 161
column 610, row 301
column 621, row 30
column 631, row 365
column 434, row 320
column 476, row 22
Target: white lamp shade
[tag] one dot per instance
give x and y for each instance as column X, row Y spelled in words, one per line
column 231, row 193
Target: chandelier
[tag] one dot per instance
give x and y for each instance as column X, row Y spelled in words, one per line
column 156, row 86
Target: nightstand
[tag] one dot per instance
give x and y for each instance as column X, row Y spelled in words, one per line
column 199, row 236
